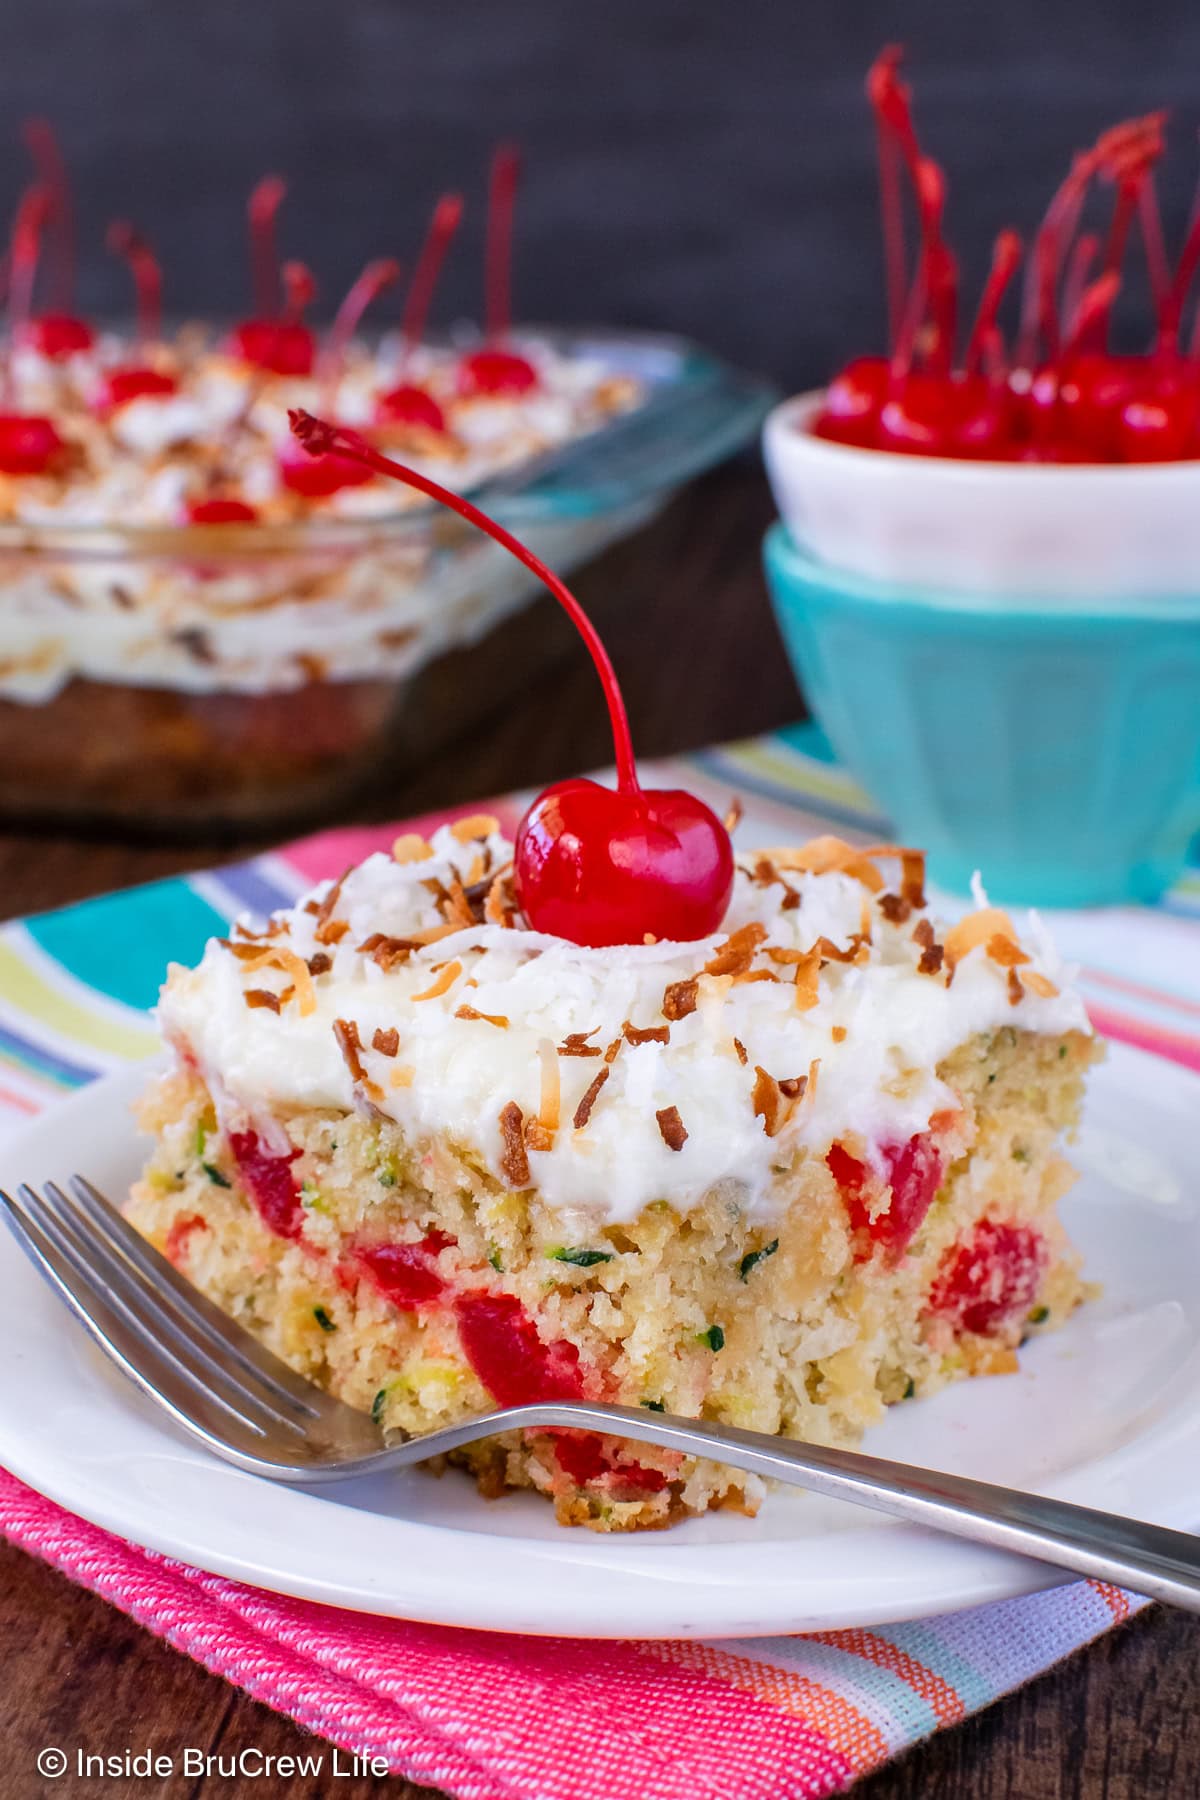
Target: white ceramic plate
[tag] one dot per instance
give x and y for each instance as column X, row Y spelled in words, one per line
column 1106, row 1412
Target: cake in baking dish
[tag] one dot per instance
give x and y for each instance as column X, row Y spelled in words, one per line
column 782, row 1177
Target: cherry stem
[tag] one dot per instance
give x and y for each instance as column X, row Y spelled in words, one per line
column 1092, row 314
column 129, row 244
column 1150, row 219
column 320, row 438
column 502, row 194
column 447, row 216
column 1185, row 269
column 261, row 212
column 1083, row 255
column 299, row 291
column 1039, row 313
column 883, row 85
column 1006, row 259
column 375, row 279
column 22, row 269
column 41, row 140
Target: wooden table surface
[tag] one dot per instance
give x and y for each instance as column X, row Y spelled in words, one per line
column 692, row 637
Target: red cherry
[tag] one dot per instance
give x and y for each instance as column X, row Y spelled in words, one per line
column 853, row 402
column 28, row 444
column 501, row 1342
column 405, row 1274
column 317, row 477
column 270, row 1183
column 279, row 347
column 1160, row 428
column 58, row 335
column 279, row 343
column 123, row 385
column 987, row 1283
column 495, row 372
column 594, row 866
column 227, row 511
column 410, row 405
column 934, row 415
column 912, row 1170
column 599, row 866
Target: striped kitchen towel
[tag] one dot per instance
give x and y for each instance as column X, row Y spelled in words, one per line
column 502, row 1718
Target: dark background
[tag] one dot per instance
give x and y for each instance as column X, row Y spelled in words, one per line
column 704, row 165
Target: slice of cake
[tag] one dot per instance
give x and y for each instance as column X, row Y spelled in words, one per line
column 782, row 1176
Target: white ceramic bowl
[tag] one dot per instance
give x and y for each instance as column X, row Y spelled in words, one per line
column 1094, row 532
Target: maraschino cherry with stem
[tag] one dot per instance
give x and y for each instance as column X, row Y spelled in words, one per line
column 58, row 333
column 494, row 371
column 594, row 865
column 408, row 403
column 317, row 477
column 29, row 442
column 139, row 379
column 276, row 338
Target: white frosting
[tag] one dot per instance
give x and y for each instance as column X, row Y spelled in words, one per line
column 879, row 1082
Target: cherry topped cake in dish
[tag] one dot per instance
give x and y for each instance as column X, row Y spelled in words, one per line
column 610, row 1113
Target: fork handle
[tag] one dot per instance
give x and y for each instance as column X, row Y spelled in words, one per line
column 1150, row 1559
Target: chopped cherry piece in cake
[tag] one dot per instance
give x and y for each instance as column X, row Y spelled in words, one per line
column 404, row 1273
column 58, row 335
column 582, row 1456
column 227, row 511
column 494, row 373
column 988, row 1282
column 914, row 1174
column 502, row 1345
column 270, row 1183
column 124, row 385
column 28, row 444
column 412, row 406
column 183, row 1229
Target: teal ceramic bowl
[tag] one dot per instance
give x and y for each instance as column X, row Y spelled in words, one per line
column 1054, row 746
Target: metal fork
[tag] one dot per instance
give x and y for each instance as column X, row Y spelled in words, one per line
column 218, row 1383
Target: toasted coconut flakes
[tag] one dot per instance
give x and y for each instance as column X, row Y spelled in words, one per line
column 770, row 1101
column 320, row 964
column 350, row 1045
column 649, row 938
column 458, row 907
column 402, row 1077
column 550, row 1104
column 274, row 927
column 734, row 814
column 814, row 1069
column 1016, row 991
column 610, row 1055
column 865, row 921
column 332, row 931
column 478, row 825
column 1040, row 984
column 387, row 951
column 753, row 975
column 1004, row 951
column 931, row 960
column 325, row 910
column 680, row 999
column 297, row 968
column 434, row 933
column 976, row 928
column 537, row 1137
column 447, row 976
column 583, row 1111
column 838, row 1034
column 912, row 869
column 411, row 848
column 499, row 906
column 831, row 856
column 735, row 955
column 808, row 980
column 514, row 1162
column 255, row 997
column 923, row 933
column 576, row 1043
column 653, row 1034
column 386, row 1042
column 855, row 952
column 476, row 872
column 739, row 1050
column 895, row 908
column 671, row 1127
column 255, row 956
column 469, row 1012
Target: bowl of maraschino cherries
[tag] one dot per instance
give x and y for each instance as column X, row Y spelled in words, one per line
column 987, row 569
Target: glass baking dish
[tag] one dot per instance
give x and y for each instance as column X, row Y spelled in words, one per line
column 235, row 677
